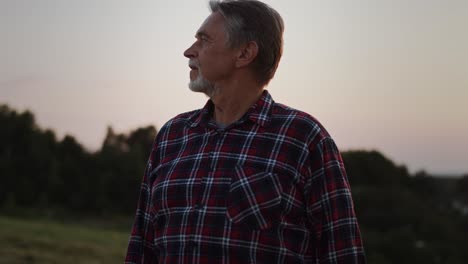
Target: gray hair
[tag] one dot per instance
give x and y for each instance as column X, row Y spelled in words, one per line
column 252, row 20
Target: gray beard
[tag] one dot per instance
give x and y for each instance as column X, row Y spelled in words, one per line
column 202, row 85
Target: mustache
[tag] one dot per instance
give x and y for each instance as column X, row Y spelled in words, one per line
column 193, row 63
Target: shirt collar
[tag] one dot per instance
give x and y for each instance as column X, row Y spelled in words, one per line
column 259, row 113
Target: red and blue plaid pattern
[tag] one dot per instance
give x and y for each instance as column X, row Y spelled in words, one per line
column 269, row 188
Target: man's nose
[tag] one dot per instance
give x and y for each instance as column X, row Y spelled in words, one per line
column 190, row 52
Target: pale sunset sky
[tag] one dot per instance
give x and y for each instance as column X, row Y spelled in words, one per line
column 389, row 75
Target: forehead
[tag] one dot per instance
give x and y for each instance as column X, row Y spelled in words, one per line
column 213, row 26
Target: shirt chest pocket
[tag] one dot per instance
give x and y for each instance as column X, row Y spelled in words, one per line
column 254, row 199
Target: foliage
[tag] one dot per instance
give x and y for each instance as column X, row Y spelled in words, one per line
column 407, row 218
column 40, row 172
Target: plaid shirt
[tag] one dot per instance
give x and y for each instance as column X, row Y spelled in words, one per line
column 269, row 188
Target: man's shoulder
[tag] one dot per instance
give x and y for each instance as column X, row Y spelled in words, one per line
column 297, row 119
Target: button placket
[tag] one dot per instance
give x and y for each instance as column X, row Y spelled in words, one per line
column 214, row 137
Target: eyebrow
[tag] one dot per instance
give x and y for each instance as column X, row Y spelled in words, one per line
column 202, row 33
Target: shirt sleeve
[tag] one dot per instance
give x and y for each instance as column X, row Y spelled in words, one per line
column 330, row 208
column 141, row 243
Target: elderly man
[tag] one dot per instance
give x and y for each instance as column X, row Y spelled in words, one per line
column 244, row 179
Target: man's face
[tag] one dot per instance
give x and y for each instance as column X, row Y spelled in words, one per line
column 210, row 59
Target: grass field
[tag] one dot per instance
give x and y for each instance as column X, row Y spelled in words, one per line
column 45, row 241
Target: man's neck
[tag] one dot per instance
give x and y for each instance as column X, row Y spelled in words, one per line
column 230, row 104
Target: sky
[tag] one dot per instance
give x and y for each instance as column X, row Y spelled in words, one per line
column 386, row 75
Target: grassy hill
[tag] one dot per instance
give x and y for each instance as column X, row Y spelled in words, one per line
column 44, row 241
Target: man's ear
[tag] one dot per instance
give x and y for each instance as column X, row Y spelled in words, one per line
column 247, row 53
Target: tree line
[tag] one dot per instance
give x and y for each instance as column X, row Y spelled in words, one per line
column 39, row 171
column 405, row 218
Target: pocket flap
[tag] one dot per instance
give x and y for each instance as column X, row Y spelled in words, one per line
column 254, row 199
